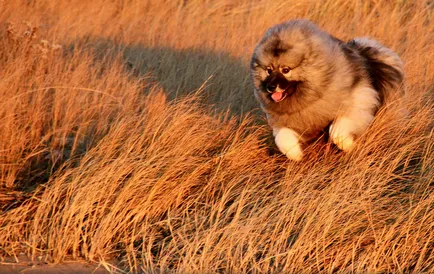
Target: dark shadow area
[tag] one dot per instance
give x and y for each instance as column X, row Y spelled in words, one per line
column 223, row 79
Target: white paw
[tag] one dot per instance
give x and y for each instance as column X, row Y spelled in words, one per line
column 342, row 138
column 287, row 141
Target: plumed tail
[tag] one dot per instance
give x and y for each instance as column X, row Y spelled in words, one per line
column 384, row 66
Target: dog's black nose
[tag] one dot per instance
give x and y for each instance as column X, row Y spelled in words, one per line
column 271, row 87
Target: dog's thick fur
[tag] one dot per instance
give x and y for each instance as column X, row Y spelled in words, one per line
column 307, row 80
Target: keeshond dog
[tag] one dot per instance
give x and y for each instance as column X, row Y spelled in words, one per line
column 306, row 80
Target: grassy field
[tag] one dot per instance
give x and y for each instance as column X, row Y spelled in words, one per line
column 129, row 132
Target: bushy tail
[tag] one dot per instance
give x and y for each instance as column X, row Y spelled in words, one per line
column 384, row 65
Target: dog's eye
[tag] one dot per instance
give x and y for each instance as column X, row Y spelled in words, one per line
column 286, row 70
column 269, row 70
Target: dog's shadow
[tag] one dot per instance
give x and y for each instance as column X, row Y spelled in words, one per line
column 223, row 79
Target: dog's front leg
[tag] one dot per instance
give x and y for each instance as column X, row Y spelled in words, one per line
column 355, row 121
column 288, row 142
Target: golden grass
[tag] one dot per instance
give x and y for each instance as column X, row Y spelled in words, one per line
column 140, row 140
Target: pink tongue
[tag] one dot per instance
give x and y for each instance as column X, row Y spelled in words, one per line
column 277, row 96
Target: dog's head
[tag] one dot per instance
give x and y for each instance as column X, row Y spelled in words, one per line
column 289, row 55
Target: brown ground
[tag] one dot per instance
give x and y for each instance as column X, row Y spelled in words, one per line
column 25, row 265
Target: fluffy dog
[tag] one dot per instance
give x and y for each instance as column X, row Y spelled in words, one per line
column 307, row 80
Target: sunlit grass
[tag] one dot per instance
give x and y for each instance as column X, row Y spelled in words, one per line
column 129, row 131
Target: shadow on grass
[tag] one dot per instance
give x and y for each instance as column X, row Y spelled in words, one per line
column 223, row 79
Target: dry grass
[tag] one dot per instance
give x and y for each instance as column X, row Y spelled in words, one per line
column 102, row 154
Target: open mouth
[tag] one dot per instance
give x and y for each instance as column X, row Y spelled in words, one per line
column 280, row 94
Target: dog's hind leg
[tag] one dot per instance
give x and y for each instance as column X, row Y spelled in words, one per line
column 355, row 119
column 288, row 142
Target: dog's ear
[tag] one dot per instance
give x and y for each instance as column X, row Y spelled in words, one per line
column 254, row 64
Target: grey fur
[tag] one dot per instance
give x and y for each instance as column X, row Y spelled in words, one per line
column 326, row 72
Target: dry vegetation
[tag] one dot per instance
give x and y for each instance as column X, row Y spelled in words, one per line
column 129, row 131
